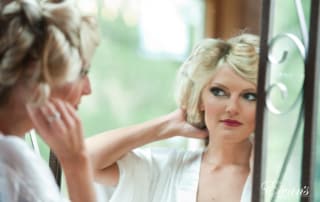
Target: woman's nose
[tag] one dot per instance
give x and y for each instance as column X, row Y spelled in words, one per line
column 86, row 86
column 232, row 107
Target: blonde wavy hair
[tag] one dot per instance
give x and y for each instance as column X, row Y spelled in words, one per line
column 241, row 53
column 43, row 43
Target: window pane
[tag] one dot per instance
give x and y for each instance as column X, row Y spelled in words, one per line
column 143, row 44
column 284, row 123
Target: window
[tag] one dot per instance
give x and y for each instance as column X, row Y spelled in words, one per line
column 143, row 44
column 287, row 130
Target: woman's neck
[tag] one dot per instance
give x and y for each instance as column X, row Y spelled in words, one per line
column 220, row 154
column 14, row 124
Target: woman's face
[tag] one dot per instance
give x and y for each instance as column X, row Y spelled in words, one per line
column 73, row 91
column 229, row 105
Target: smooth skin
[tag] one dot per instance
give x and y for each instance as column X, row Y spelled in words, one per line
column 227, row 158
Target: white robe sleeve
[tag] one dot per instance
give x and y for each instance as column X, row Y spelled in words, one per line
column 156, row 175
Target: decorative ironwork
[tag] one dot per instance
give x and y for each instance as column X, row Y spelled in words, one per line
column 288, row 154
column 294, row 39
column 302, row 22
column 307, row 48
column 281, row 86
column 284, row 92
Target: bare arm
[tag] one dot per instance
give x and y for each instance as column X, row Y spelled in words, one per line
column 64, row 135
column 108, row 147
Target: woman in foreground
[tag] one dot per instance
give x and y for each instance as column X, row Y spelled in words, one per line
column 45, row 53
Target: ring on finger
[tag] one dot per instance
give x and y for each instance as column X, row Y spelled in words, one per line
column 54, row 117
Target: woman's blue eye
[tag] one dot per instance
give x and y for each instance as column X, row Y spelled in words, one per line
column 217, row 91
column 250, row 96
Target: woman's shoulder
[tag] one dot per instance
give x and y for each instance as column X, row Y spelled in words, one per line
column 165, row 157
column 17, row 155
column 27, row 171
column 12, row 148
column 166, row 153
column 10, row 139
column 16, row 152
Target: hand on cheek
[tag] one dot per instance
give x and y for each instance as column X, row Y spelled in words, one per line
column 60, row 127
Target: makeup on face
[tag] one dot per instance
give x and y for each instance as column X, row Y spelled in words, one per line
column 228, row 102
column 231, row 122
column 219, row 90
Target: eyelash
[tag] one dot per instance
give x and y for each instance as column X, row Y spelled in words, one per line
column 84, row 72
column 218, row 92
column 248, row 95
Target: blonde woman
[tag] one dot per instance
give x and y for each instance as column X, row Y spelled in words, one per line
column 45, row 53
column 216, row 93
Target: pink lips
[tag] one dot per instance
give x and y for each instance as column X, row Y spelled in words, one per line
column 231, row 123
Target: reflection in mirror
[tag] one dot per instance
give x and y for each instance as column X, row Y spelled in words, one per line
column 147, row 42
column 216, row 94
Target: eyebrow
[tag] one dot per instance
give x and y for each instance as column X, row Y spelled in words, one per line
column 225, row 87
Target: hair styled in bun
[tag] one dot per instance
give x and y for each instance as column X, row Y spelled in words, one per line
column 42, row 43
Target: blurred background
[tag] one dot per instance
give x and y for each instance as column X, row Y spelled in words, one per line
column 133, row 72
column 143, row 43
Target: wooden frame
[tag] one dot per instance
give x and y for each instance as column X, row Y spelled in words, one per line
column 230, row 17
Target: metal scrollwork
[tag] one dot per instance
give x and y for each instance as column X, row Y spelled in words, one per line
column 284, row 94
column 302, row 47
column 291, row 37
column 273, row 60
column 302, row 22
